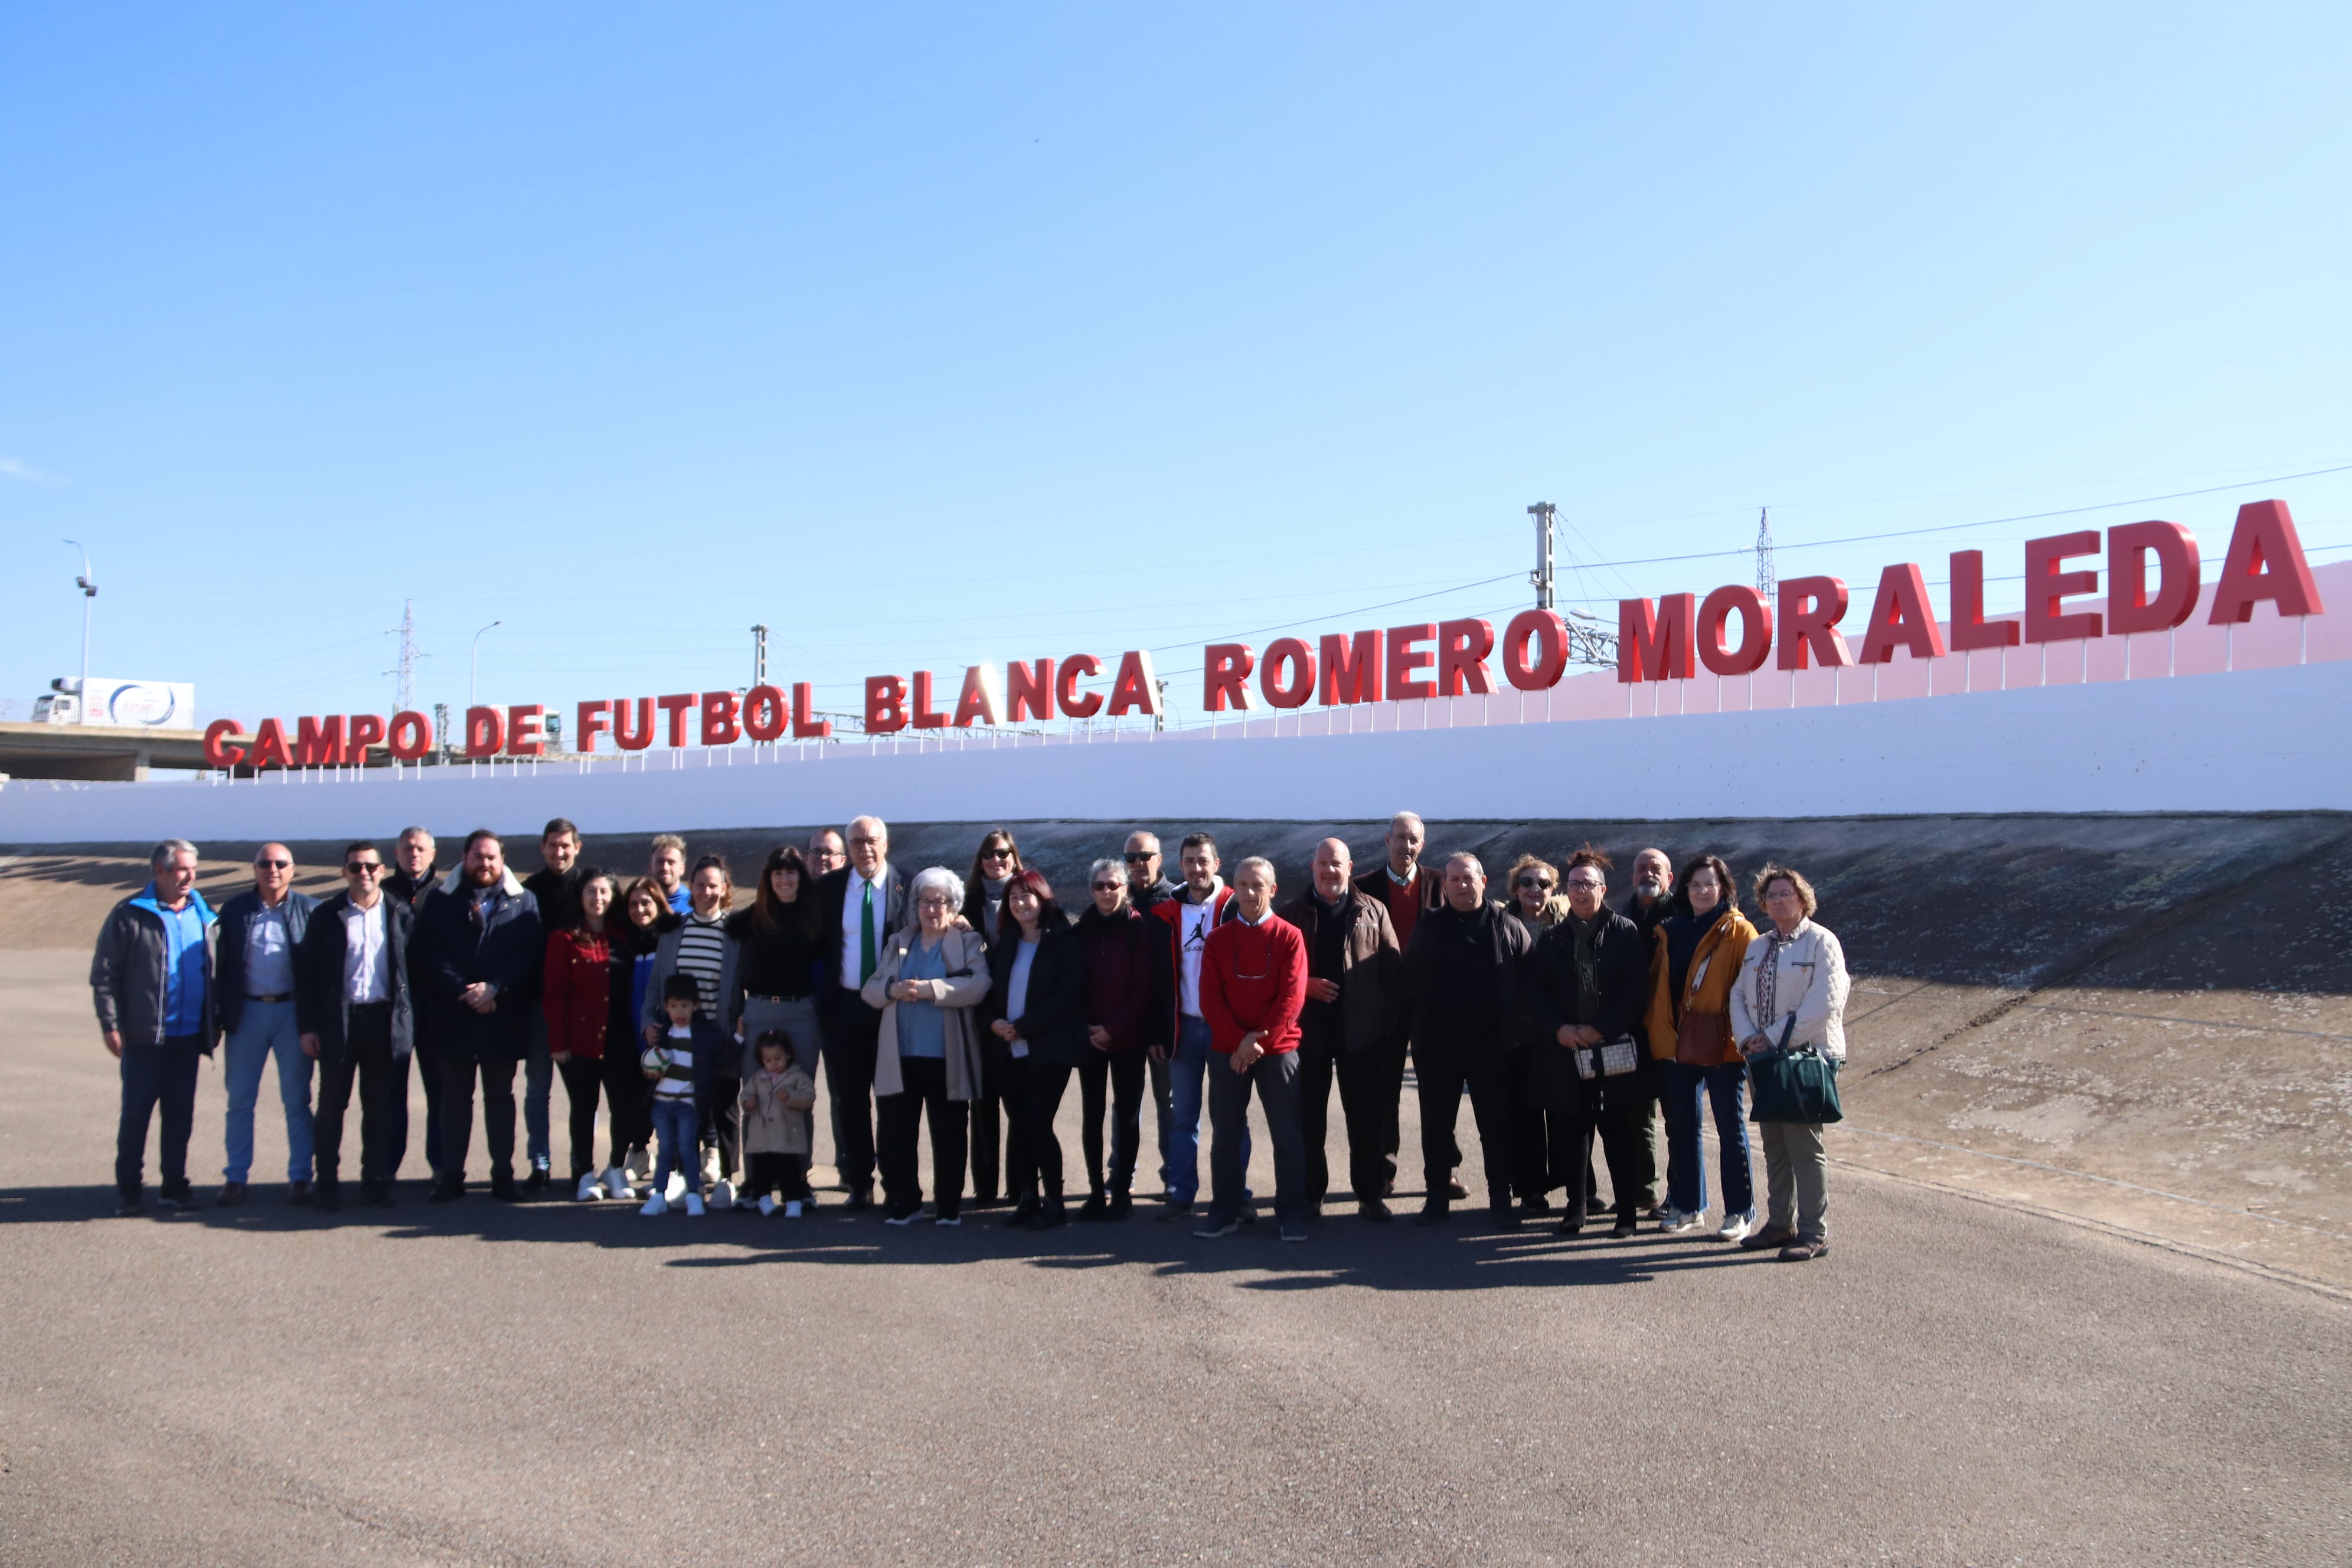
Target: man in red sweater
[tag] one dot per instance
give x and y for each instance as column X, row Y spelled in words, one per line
column 1253, row 984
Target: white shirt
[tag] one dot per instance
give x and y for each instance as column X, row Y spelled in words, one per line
column 852, row 906
column 1197, row 920
column 367, row 957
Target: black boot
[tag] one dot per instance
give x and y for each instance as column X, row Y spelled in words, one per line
column 1050, row 1214
column 1022, row 1213
column 1432, row 1212
column 1096, row 1208
column 448, row 1190
column 1122, row 1206
column 329, row 1195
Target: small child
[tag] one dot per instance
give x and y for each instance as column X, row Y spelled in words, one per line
column 775, row 1130
column 679, row 1068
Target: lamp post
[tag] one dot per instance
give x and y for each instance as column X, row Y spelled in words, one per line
column 474, row 666
column 88, row 592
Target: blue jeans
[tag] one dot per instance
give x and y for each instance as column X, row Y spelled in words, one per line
column 678, row 1126
column 1187, row 1076
column 264, row 1027
column 537, row 1083
column 1687, row 1155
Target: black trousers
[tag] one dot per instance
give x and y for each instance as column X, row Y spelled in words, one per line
column 926, row 1078
column 852, row 1031
column 1040, row 1101
column 988, row 1115
column 722, row 1122
column 776, row 1172
column 584, row 1084
column 1620, row 1118
column 1362, row 1079
column 1444, row 1075
column 155, row 1075
column 1162, row 1110
column 457, row 1076
column 383, row 1080
column 1541, row 1137
column 628, row 1100
column 428, row 1075
column 1119, row 1080
column 1012, row 1076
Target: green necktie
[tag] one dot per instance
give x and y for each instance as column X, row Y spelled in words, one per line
column 865, row 936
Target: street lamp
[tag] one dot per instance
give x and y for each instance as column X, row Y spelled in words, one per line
column 88, row 592
column 474, row 669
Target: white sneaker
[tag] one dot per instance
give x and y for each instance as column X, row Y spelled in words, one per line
column 791, row 1209
column 616, row 1183
column 723, row 1196
column 1674, row 1222
column 677, row 1188
column 710, row 1171
column 639, row 1164
column 767, row 1204
column 694, row 1204
column 1736, row 1227
column 656, row 1206
column 590, row 1189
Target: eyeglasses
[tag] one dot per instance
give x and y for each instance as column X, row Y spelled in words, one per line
column 1108, row 887
column 1539, row 882
column 1133, row 859
column 1595, row 883
column 996, row 854
column 276, row 865
column 363, row 868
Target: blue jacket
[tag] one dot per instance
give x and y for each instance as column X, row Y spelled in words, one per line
column 709, row 1045
column 510, row 954
column 228, row 965
column 126, row 971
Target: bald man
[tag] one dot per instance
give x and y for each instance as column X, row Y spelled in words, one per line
column 1355, row 981
column 254, row 987
column 864, row 903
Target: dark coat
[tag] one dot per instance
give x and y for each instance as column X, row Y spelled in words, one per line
column 228, row 962
column 320, row 1004
column 1507, row 944
column 1122, row 973
column 833, row 890
column 1623, row 961
column 1053, row 1019
column 126, row 970
column 510, row 954
column 1371, row 965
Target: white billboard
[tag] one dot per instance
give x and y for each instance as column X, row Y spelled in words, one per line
column 134, row 704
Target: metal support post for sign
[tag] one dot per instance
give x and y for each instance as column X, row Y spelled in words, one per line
column 758, row 656
column 1542, row 512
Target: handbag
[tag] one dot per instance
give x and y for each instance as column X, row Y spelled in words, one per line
column 1610, row 1059
column 1703, row 1039
column 1793, row 1085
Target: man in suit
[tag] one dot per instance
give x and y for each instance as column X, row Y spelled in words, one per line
column 413, row 880
column 1407, row 889
column 253, row 988
column 353, row 1007
column 864, row 903
column 482, row 954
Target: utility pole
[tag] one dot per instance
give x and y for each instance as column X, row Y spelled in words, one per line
column 760, row 656
column 405, row 674
column 1768, row 580
column 441, row 729
column 473, row 671
column 1542, row 512
column 89, row 590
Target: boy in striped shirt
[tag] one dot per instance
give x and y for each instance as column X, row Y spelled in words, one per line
column 678, row 1067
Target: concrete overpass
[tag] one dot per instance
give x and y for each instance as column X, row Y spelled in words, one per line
column 118, row 753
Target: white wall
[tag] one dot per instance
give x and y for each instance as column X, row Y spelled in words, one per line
column 2264, row 740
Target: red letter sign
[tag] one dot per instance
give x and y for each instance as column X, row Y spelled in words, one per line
column 1811, row 608
column 886, row 704
column 1224, row 676
column 1901, row 617
column 1076, row 703
column 676, row 705
column 1351, row 670
column 1136, row 689
column 217, row 755
column 591, row 718
column 410, row 737
column 269, row 746
column 1462, row 650
column 2130, row 606
column 1654, row 643
column 632, row 737
column 1755, row 630
column 361, row 731
column 805, row 726
column 1549, row 634
column 2265, row 561
column 978, row 699
column 721, row 723
column 1970, row 630
column 1028, row 692
column 2045, row 587
column 524, row 738
column 1288, row 673
column 1405, row 658
column 318, row 743
column 766, row 714
column 486, row 731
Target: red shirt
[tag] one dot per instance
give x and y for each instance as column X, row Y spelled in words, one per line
column 1253, row 977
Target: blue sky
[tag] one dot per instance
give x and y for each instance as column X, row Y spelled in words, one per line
column 933, row 334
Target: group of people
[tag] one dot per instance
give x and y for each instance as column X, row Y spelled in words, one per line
column 701, row 1022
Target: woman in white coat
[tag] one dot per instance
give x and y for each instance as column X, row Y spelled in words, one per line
column 1792, row 982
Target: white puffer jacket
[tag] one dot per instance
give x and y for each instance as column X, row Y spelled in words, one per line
column 1811, row 984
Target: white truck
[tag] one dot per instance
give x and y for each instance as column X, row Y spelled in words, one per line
column 125, row 704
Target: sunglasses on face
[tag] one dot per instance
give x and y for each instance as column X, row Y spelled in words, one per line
column 1108, row 887
column 362, row 867
column 996, row 854
column 1135, row 859
column 276, row 865
column 1535, row 882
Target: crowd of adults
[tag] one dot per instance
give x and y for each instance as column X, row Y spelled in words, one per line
column 701, row 1022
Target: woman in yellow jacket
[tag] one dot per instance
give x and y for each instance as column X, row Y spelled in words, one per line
column 1692, row 968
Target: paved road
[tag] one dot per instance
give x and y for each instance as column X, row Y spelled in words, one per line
column 563, row 1385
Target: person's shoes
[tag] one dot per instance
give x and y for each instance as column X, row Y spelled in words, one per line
column 861, row 1198
column 675, row 1190
column 694, row 1208
column 767, row 1205
column 590, row 1190
column 1211, row 1226
column 791, row 1209
column 722, row 1196
column 177, row 1198
column 1374, row 1210
column 330, row 1197
column 376, row 1194
column 126, row 1204
column 231, row 1195
column 1535, row 1202
column 616, row 1184
column 1294, row 1230
column 1017, row 1217
column 1177, row 1208
column 1652, row 1208
column 1454, row 1190
column 1770, row 1238
column 448, row 1190
column 1736, row 1227
column 503, row 1187
column 537, row 1180
column 1094, row 1208
column 1572, row 1226
column 1430, row 1215
column 1503, row 1217
column 949, row 1219
column 903, row 1216
column 1122, row 1204
column 1805, row 1249
column 1674, row 1222
column 639, row 1164
column 656, row 1206
column 1624, row 1228
column 1050, row 1214
column 297, row 1192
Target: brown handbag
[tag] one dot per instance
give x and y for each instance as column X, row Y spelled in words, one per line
column 1703, row 1039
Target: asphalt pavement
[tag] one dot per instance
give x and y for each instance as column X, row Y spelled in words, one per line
column 552, row 1382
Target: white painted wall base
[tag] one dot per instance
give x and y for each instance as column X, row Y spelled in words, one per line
column 2263, row 740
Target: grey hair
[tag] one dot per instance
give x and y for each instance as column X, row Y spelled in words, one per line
column 1261, row 862
column 408, row 832
column 1106, row 864
column 937, row 876
column 1412, row 816
column 1466, row 855
column 170, row 847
